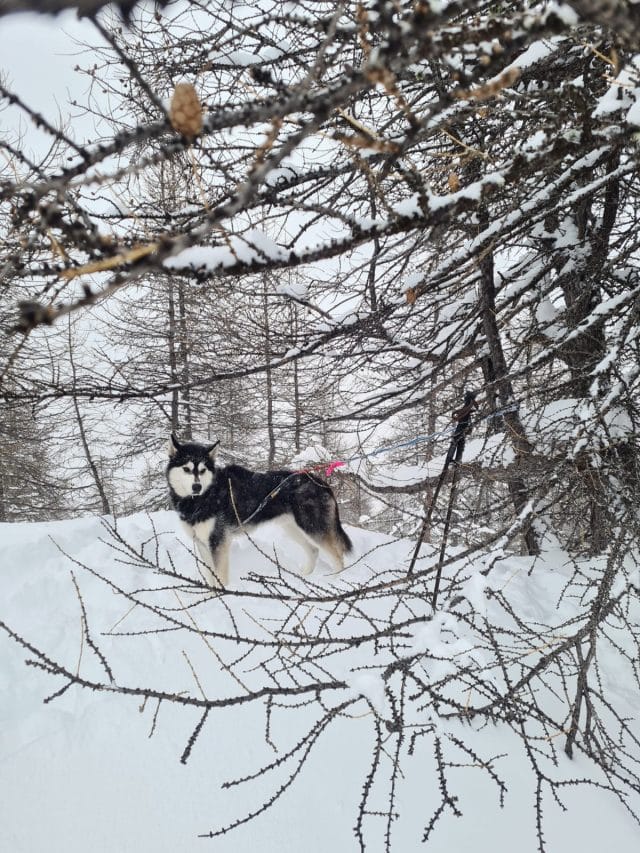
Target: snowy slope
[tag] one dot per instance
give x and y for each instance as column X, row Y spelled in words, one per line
column 101, row 772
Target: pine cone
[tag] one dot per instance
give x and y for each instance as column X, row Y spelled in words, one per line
column 185, row 113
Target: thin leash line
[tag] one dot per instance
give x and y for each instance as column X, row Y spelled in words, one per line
column 424, row 439
column 330, row 467
column 412, row 442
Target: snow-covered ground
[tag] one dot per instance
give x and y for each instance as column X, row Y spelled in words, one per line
column 100, row 772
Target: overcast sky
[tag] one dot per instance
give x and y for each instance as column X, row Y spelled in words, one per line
column 37, row 56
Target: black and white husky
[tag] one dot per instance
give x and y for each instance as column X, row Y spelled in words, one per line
column 214, row 503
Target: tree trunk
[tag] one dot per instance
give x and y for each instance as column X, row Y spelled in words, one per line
column 93, row 468
column 585, row 350
column 173, row 360
column 297, row 413
column 268, row 376
column 183, row 353
column 517, row 436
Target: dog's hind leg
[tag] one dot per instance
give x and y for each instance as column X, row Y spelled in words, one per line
column 321, row 523
column 335, row 541
column 314, row 543
column 312, row 554
column 334, row 549
column 300, row 537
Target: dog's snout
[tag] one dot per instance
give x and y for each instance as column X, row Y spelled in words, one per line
column 196, row 487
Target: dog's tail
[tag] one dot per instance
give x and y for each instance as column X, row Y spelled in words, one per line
column 347, row 544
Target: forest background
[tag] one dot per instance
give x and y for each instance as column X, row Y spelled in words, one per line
column 351, row 214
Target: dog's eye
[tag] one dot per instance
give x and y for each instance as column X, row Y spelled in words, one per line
column 186, row 468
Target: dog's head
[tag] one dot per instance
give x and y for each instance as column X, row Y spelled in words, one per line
column 191, row 467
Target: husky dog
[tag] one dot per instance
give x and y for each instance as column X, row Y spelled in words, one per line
column 214, row 503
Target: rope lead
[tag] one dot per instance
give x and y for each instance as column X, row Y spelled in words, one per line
column 456, row 448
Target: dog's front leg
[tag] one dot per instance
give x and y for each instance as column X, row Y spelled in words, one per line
column 219, row 544
column 206, row 564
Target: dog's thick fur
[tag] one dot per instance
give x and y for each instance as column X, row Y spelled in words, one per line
column 214, row 503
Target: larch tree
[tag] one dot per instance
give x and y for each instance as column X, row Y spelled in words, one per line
column 378, row 205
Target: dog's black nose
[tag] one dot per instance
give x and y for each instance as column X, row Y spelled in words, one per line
column 196, row 488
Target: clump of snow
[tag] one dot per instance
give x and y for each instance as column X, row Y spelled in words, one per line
column 408, row 207
column 252, row 247
column 623, row 94
column 311, row 454
column 564, row 11
column 371, row 686
column 548, row 316
column 295, row 289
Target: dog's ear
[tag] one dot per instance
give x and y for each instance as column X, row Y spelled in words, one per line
column 211, row 451
column 174, row 445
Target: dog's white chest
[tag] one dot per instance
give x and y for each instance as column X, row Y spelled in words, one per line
column 202, row 530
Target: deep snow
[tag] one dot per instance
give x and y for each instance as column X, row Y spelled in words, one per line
column 82, row 773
